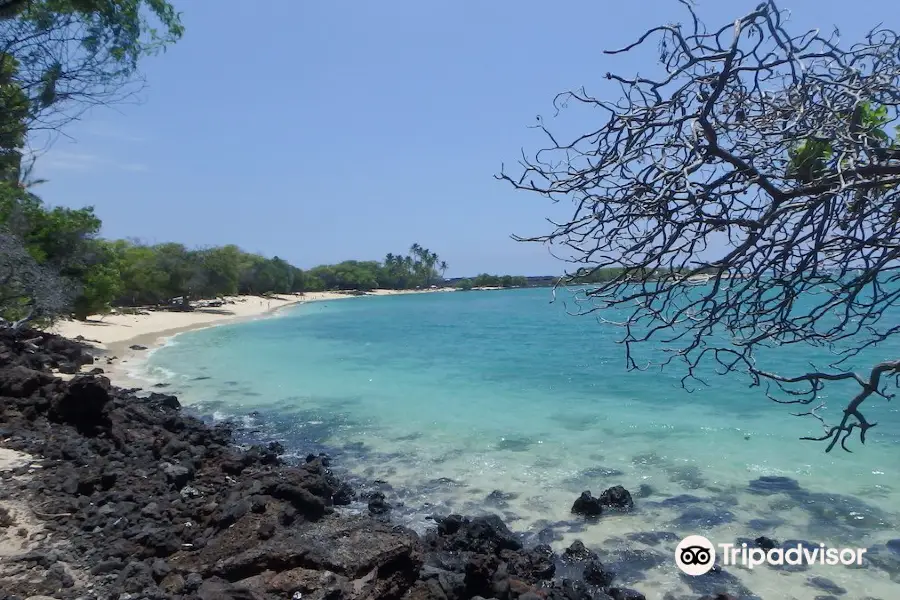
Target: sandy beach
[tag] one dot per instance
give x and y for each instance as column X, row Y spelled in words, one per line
column 114, row 334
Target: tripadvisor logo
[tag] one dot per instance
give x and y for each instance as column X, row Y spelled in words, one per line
column 696, row 555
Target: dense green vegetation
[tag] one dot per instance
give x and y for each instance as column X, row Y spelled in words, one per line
column 485, row 280
column 59, row 58
column 97, row 274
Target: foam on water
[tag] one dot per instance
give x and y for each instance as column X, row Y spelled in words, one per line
column 449, row 397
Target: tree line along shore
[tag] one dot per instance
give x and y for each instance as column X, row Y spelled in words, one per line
column 56, row 264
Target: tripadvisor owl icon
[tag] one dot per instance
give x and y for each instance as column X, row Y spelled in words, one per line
column 695, row 555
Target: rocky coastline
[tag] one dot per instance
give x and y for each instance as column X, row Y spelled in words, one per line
column 125, row 496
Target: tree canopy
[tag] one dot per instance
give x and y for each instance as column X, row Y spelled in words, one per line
column 58, row 58
column 762, row 158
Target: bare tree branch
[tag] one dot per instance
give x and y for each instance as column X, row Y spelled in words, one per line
column 768, row 144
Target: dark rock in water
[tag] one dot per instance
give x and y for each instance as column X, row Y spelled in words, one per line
column 764, row 524
column 717, row 582
column 688, row 476
column 269, row 455
column 322, row 457
column 644, row 491
column 683, row 500
column 787, row 545
column 773, row 484
column 765, row 543
column 625, row 594
column 590, row 476
column 569, row 589
column 95, row 371
column 884, row 558
column 596, row 574
column 137, row 347
column 587, row 505
column 826, row 585
column 548, row 535
column 445, row 482
column 893, row 546
column 632, row 564
column 164, row 400
column 617, row 497
column 499, row 499
column 483, row 535
column 839, row 514
column 377, row 504
column 514, row 445
column 578, row 551
column 653, row 538
column 344, row 495
column 702, row 518
column 69, row 368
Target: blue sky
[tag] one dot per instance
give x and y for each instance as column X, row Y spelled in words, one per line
column 324, row 131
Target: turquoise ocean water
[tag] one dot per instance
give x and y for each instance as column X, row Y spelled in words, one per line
column 448, row 397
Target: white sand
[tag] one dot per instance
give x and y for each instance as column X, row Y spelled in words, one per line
column 103, row 330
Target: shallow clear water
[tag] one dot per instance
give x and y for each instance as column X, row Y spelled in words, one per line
column 450, row 396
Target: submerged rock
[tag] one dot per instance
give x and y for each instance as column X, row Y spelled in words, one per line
column 773, row 484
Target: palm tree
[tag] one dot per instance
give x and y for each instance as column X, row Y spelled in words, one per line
column 443, row 268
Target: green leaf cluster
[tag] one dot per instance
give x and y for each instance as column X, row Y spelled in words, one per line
column 812, row 158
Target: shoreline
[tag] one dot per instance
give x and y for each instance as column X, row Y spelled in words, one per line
column 112, row 336
column 146, row 423
column 114, row 495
